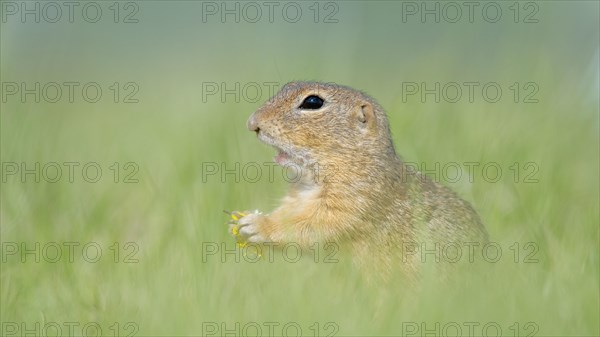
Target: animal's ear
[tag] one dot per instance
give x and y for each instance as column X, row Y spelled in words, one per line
column 366, row 115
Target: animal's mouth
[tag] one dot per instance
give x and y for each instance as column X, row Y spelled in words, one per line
column 284, row 154
column 282, row 157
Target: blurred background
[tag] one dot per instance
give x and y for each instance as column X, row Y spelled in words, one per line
column 123, row 138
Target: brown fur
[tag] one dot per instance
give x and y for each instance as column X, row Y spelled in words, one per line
column 354, row 188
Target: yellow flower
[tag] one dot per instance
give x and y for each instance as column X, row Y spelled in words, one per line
column 235, row 216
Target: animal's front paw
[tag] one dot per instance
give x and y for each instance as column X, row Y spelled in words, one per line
column 245, row 227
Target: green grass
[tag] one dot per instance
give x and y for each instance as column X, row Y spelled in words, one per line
column 170, row 212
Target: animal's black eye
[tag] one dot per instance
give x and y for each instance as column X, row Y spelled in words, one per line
column 312, row 103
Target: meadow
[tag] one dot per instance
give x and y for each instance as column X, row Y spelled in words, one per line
column 122, row 241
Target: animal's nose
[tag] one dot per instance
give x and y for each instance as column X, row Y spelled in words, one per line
column 253, row 124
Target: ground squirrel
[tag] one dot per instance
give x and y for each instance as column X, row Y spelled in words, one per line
column 354, row 188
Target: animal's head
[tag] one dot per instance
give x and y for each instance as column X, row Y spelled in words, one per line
column 312, row 122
